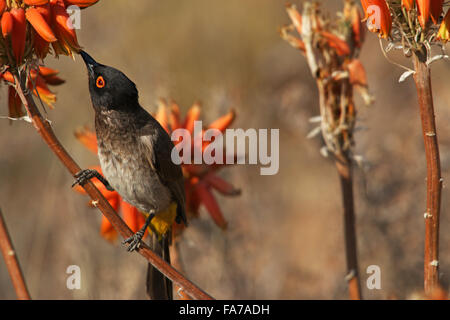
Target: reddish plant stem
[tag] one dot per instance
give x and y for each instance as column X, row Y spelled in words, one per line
column 422, row 78
column 45, row 130
column 344, row 168
column 12, row 263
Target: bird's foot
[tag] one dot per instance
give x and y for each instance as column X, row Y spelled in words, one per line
column 84, row 175
column 134, row 241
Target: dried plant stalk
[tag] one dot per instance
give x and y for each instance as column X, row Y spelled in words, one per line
column 331, row 48
column 12, row 263
column 344, row 168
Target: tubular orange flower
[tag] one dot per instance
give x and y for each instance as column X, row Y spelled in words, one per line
column 38, row 82
column 41, row 46
column 87, row 138
column 174, row 116
column 210, row 203
column 41, row 90
column 424, row 11
column 7, row 24
column 7, row 76
column 81, row 3
column 2, row 6
column 378, row 12
column 444, row 29
column 19, row 33
column 192, row 115
column 221, row 185
column 40, row 25
column 223, row 122
column 436, row 10
column 335, row 42
column 62, row 25
column 408, row 4
column 35, row 2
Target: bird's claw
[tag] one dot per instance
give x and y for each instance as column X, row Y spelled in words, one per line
column 84, row 175
column 81, row 177
column 134, row 241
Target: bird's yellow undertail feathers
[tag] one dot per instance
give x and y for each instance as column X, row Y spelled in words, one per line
column 163, row 220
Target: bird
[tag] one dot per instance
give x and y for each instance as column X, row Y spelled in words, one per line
column 135, row 154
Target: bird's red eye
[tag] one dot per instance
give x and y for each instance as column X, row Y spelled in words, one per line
column 100, row 82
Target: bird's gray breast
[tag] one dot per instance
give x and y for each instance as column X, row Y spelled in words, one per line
column 125, row 165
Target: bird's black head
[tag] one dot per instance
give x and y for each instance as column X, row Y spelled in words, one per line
column 110, row 89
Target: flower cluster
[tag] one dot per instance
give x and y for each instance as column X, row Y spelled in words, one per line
column 200, row 179
column 38, row 82
column 408, row 23
column 30, row 26
column 331, row 48
column 30, row 30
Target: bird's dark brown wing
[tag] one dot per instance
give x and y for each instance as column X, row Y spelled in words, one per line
column 159, row 148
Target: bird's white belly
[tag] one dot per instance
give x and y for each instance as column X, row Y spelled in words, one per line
column 135, row 181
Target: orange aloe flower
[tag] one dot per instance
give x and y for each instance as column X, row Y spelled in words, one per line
column 200, row 179
column 408, row 4
column 38, row 82
column 426, row 13
column 436, row 10
column 47, row 22
column 424, row 7
column 427, row 9
column 444, row 29
column 379, row 23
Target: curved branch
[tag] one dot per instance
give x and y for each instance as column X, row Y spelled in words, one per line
column 12, row 263
column 45, row 130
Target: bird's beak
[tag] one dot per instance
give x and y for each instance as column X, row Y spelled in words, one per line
column 90, row 63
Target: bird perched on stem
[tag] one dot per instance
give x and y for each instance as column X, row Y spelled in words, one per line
column 135, row 157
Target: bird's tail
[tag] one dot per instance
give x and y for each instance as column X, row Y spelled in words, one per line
column 158, row 286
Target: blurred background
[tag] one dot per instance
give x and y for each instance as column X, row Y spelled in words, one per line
column 285, row 235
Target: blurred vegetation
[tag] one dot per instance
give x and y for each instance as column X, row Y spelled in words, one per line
column 285, row 232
